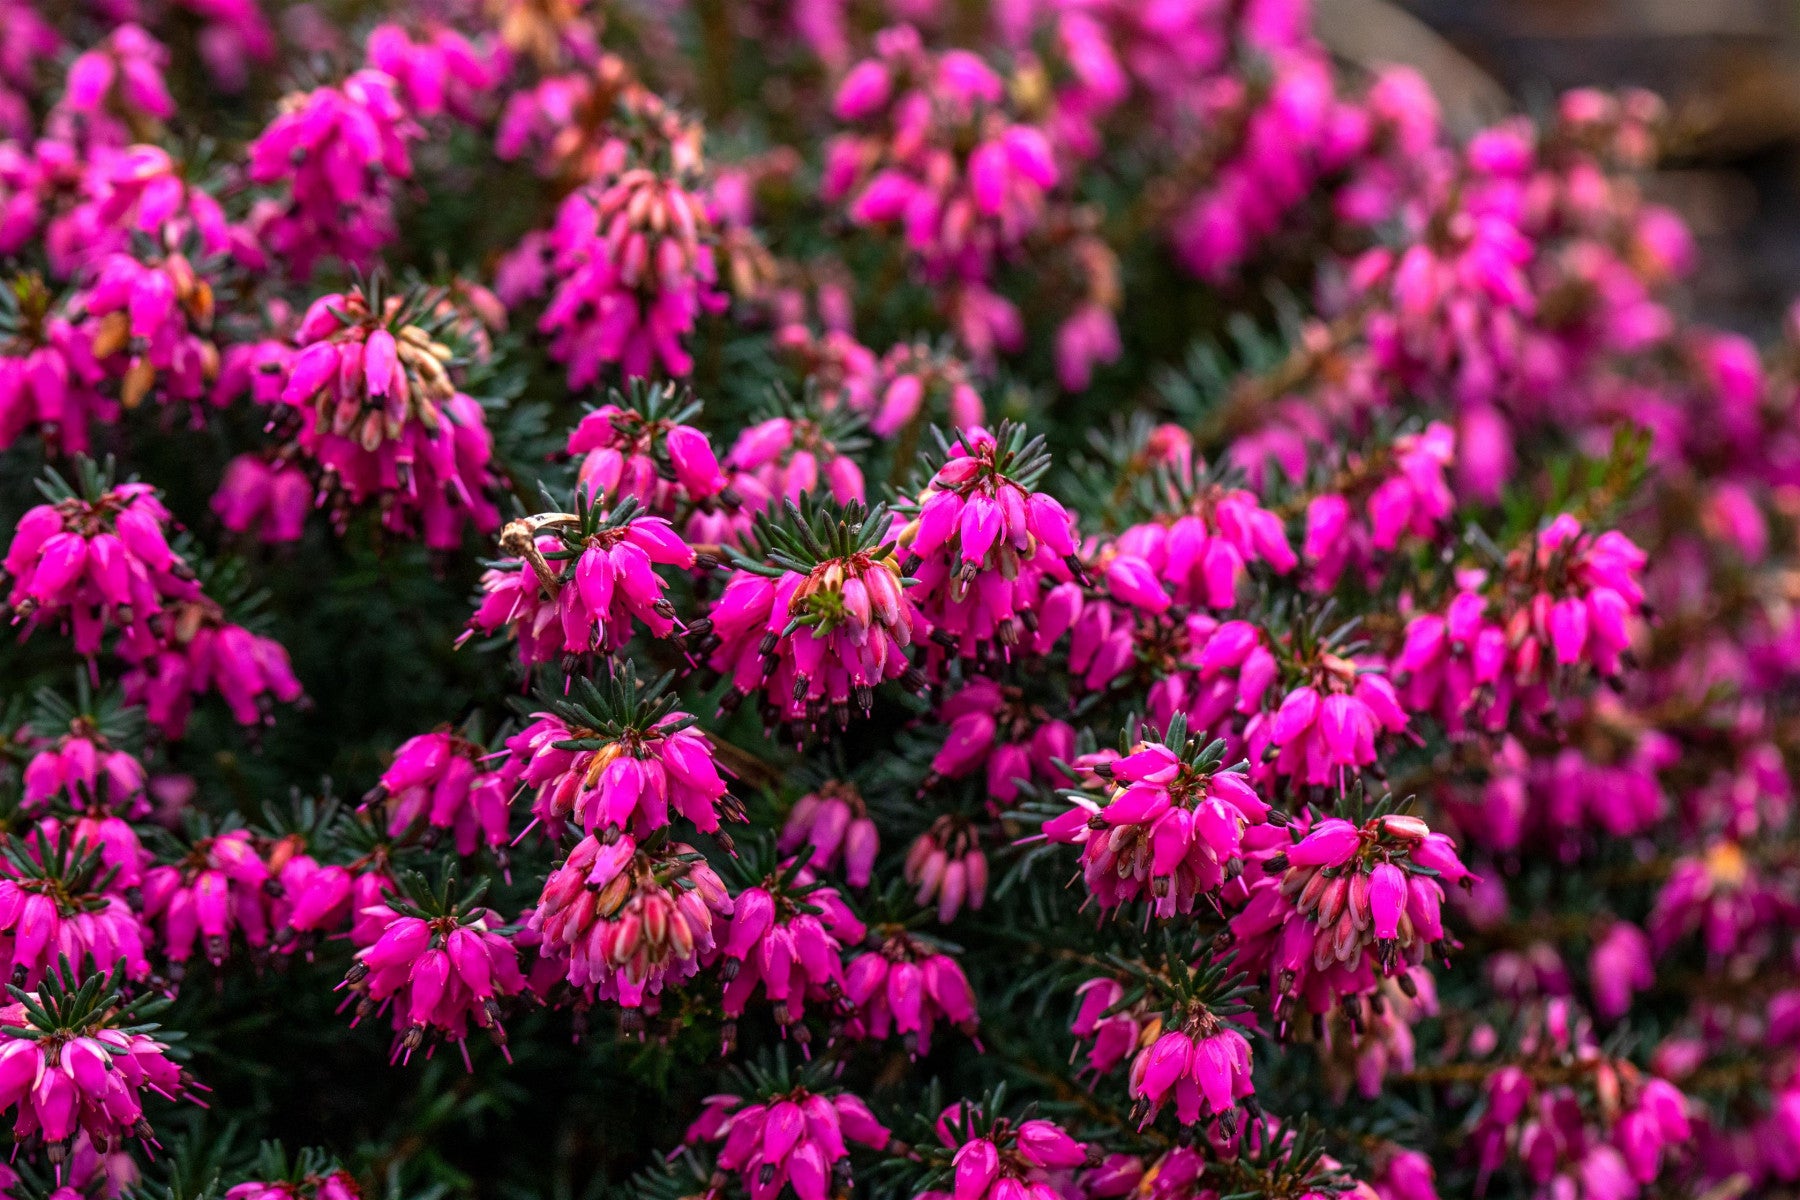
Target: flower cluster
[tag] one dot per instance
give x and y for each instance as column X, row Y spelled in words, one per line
column 379, row 415
column 818, row 618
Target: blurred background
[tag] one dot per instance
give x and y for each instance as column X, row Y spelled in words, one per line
column 1728, row 69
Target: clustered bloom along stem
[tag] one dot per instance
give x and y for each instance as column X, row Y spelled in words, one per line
column 643, row 444
column 626, row 922
column 983, row 542
column 76, row 1060
column 97, row 558
column 815, row 616
column 798, row 1136
column 1336, row 904
column 578, row 584
column 379, row 414
column 620, row 757
column 440, row 964
column 1169, row 830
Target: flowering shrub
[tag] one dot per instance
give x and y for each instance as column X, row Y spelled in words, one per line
column 1028, row 601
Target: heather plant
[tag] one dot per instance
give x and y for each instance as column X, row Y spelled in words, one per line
column 1047, row 600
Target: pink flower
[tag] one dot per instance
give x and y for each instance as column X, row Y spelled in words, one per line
column 437, row 782
column 986, row 543
column 335, row 156
column 59, row 903
column 796, row 1138
column 1169, row 828
column 603, row 584
column 815, row 617
column 1204, row 1071
column 382, row 420
column 218, row 888
column 907, row 986
column 996, row 1158
column 624, row 923
column 1332, row 906
column 787, row 936
column 78, row 1064
column 643, row 446
column 634, row 268
column 833, row 821
column 946, row 865
column 438, row 965
column 619, row 758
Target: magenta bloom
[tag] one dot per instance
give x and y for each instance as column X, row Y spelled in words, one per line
column 625, row 923
column 268, row 497
column 334, row 156
column 579, row 583
column 779, row 461
column 632, row 260
column 797, row 1138
column 438, row 971
column 946, row 865
column 382, row 420
column 986, row 542
column 816, row 618
column 97, row 564
column 1324, row 731
column 907, row 986
column 619, row 758
column 1197, row 553
column 206, row 653
column 1000, row 1159
column 151, row 323
column 645, row 447
column 1332, row 907
column 1203, row 1071
column 833, row 821
column 1169, row 828
column 59, row 901
column 437, row 781
column 50, row 380
column 993, row 729
column 219, row 888
column 787, row 935
column 79, row 1064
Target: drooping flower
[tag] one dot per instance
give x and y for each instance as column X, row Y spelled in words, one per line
column 1169, row 829
column 151, row 323
column 787, row 935
column 626, row 922
column 219, row 887
column 1332, row 906
column 578, row 584
column 834, row 822
column 620, row 757
column 983, row 542
column 779, row 460
column 49, row 379
column 797, row 1136
column 440, row 961
column 642, row 444
column 947, row 866
column 437, row 781
column 382, row 419
column 335, row 157
column 996, row 1158
column 633, row 259
column 815, row 616
column 60, row 903
column 75, row 1061
column 906, row 984
column 95, row 560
